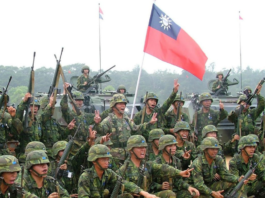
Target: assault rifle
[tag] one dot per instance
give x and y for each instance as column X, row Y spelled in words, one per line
column 31, row 91
column 225, row 79
column 4, row 98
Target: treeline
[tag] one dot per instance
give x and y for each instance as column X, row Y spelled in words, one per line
column 160, row 82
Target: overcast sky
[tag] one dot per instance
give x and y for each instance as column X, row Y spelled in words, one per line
column 46, row 26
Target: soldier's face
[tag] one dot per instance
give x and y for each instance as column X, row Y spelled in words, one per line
column 206, row 104
column 171, row 148
column 104, row 162
column 122, row 91
column 250, row 150
column 156, row 142
column 86, row 71
column 152, row 103
column 184, row 134
column 9, row 177
column 35, row 110
column 177, row 103
column 212, row 134
column 121, row 106
column 140, row 152
column 79, row 103
column 212, row 152
column 220, row 76
column 41, row 169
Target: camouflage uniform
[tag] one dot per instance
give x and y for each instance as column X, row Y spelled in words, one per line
column 10, row 164
column 161, row 120
column 213, row 117
column 90, row 185
column 179, row 186
column 85, row 119
column 238, row 167
column 82, row 79
column 49, row 183
column 247, row 118
column 155, row 134
column 171, row 117
column 203, row 173
column 217, row 82
column 105, row 113
column 181, row 125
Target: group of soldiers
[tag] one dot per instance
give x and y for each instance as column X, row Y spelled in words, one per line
column 160, row 153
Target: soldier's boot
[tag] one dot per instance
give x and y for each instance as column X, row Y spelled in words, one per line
column 166, row 194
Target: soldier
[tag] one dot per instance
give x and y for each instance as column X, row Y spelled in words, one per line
column 167, row 145
column 171, row 116
column 9, row 169
column 206, row 116
column 246, row 159
column 205, row 168
column 186, row 150
column 99, row 181
column 218, row 83
column 246, row 116
column 120, row 125
column 150, row 108
column 36, row 180
column 82, row 81
column 248, row 88
column 258, row 149
column 136, row 146
column 154, row 136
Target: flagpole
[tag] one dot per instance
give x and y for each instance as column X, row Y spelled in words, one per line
column 100, row 86
column 137, row 86
column 240, row 51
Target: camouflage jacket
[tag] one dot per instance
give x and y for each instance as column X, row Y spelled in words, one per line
column 203, row 173
column 85, row 119
column 215, row 85
column 172, row 119
column 14, row 191
column 193, row 155
column 91, row 186
column 106, row 113
column 80, row 83
column 152, row 170
column 238, row 167
column 49, row 186
column 161, row 120
column 121, row 129
column 178, row 183
column 248, row 118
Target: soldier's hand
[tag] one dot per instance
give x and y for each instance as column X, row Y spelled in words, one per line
column 186, row 154
column 176, row 85
column 54, row 195
column 97, row 118
column 186, row 173
column 194, row 192
column 92, row 133
column 63, row 167
column 236, row 137
column 12, row 111
column 153, row 119
column 259, row 88
column 105, row 138
column 145, row 194
column 26, row 97
column 241, row 177
column 252, row 177
column 218, row 87
column 51, row 100
column 221, row 105
column 74, row 195
column 217, row 194
column 217, row 177
column 165, row 186
column 71, row 125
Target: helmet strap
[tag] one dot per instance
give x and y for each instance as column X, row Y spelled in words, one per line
column 246, row 152
column 151, row 108
column 209, row 155
column 118, row 110
column 100, row 165
column 136, row 155
column 155, row 145
column 39, row 175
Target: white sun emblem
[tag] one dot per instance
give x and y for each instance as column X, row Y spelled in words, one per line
column 166, row 22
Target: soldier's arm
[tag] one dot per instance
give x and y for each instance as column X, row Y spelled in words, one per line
column 261, row 104
column 63, row 192
column 232, row 117
column 65, row 109
column 104, row 127
column 20, row 110
column 222, row 115
column 137, row 118
column 233, row 167
column 164, row 169
column 139, row 128
column 105, row 113
column 15, row 125
column 163, row 109
column 84, row 186
column 215, row 85
column 223, row 172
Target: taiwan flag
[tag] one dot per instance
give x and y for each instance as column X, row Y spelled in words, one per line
column 170, row 43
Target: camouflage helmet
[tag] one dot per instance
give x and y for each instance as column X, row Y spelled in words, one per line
column 242, row 98
column 246, row 141
column 177, row 98
column 58, row 146
column 36, row 102
column 166, row 140
column 121, row 87
column 98, row 151
column 155, row 134
column 136, row 141
column 248, row 88
column 84, row 68
column 181, row 125
column 219, row 73
column 107, row 143
column 150, row 95
column 34, row 146
column 205, row 96
column 255, row 137
column 44, row 101
column 117, row 98
column 8, row 163
column 77, row 95
column 207, row 129
column 36, row 157
column 209, row 142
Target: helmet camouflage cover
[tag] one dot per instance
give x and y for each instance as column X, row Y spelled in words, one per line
column 151, row 95
column 242, row 98
column 98, row 151
column 207, row 129
column 9, row 163
column 246, row 141
column 248, row 88
column 34, row 146
column 84, row 68
column 121, row 87
column 58, row 146
column 205, row 96
column 181, row 125
column 166, row 140
column 219, row 73
column 209, row 142
column 36, row 157
column 155, row 134
column 177, row 98
column 255, row 137
column 77, row 95
column 136, row 141
column 117, row 98
column 44, row 101
column 36, row 102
